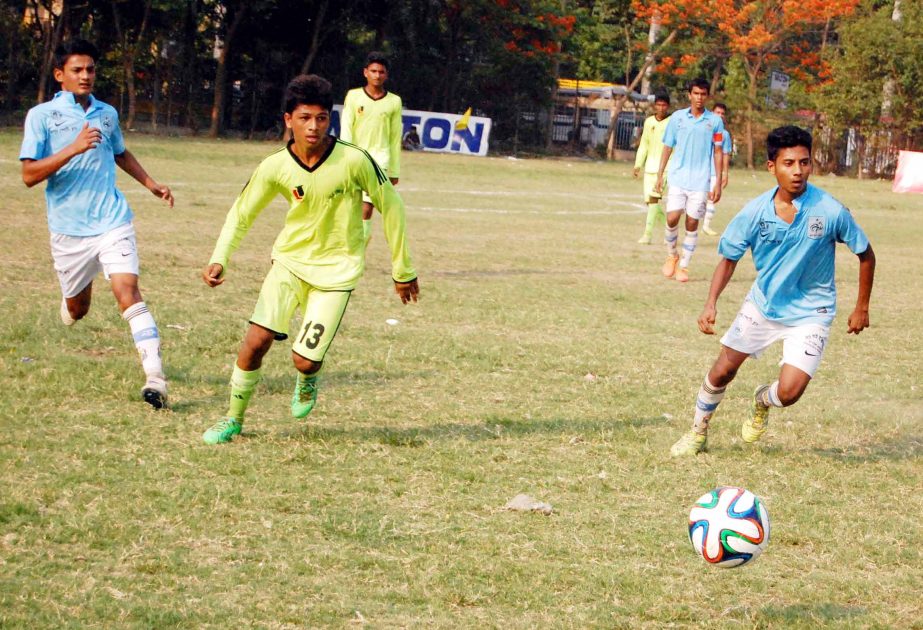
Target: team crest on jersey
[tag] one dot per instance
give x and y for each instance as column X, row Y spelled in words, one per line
column 298, row 193
column 361, row 109
column 816, row 227
column 107, row 123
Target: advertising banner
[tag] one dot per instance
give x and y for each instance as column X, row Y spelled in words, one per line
column 438, row 131
column 909, row 175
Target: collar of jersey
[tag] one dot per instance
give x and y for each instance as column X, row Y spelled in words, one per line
column 704, row 115
column 798, row 201
column 69, row 98
column 372, row 97
column 322, row 159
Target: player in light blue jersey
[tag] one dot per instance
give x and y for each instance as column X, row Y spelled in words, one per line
column 693, row 140
column 74, row 143
column 727, row 147
column 791, row 232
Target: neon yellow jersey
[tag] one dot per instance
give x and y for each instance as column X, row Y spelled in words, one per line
column 376, row 126
column 650, row 148
column 322, row 241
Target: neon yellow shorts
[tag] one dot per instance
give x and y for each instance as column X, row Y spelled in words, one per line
column 282, row 293
column 650, row 180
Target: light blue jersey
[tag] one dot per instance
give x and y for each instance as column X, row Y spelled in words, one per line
column 727, row 146
column 693, row 141
column 794, row 263
column 82, row 198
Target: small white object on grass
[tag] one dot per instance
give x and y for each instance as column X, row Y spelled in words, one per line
column 392, row 322
column 525, row 503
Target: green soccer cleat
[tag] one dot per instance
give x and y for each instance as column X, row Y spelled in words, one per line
column 691, row 443
column 305, row 395
column 223, row 431
column 754, row 427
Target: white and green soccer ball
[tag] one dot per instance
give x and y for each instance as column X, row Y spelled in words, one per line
column 729, row 527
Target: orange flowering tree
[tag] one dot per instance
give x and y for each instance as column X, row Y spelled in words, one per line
column 778, row 33
column 672, row 21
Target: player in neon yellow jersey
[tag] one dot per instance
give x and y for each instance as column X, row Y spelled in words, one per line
column 372, row 120
column 650, row 148
column 319, row 255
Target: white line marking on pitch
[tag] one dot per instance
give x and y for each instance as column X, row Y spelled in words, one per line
column 640, row 209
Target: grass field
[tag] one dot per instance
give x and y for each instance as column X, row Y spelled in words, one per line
column 546, row 356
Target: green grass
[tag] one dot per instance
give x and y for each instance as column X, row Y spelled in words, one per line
column 386, row 507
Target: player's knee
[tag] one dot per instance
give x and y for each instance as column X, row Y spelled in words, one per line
column 790, row 393
column 722, row 374
column 305, row 365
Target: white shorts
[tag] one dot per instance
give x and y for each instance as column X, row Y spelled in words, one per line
column 802, row 345
column 692, row 202
column 77, row 259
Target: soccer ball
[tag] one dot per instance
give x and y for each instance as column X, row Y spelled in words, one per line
column 729, row 527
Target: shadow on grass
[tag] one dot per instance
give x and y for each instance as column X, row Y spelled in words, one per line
column 824, row 612
column 906, row 447
column 491, row 429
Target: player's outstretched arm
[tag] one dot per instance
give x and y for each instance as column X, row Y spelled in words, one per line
column 212, row 275
column 130, row 164
column 36, row 171
column 859, row 318
column 719, row 280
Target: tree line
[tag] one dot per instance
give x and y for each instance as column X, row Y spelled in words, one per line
column 219, row 66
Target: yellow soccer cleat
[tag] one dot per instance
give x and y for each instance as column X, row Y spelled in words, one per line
column 691, row 443
column 669, row 267
column 754, row 427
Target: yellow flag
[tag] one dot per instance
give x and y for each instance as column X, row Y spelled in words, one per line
column 462, row 123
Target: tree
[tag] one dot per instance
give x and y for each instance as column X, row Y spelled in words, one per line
column 766, row 32
column 131, row 38
column 229, row 15
column 676, row 18
column 879, row 63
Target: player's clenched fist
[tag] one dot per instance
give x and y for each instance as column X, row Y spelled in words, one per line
column 88, row 138
column 212, row 275
column 707, row 319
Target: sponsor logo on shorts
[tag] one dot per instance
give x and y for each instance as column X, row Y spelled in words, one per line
column 816, row 227
column 815, row 344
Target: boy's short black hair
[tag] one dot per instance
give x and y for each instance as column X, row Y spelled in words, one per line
column 722, row 106
column 785, row 138
column 662, row 96
column 68, row 49
column 376, row 56
column 308, row 89
column 700, row 82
